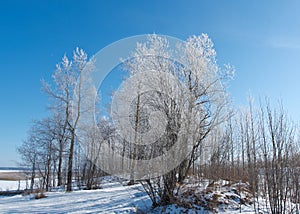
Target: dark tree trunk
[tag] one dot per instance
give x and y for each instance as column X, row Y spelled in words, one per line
column 70, row 163
column 32, row 177
column 59, row 172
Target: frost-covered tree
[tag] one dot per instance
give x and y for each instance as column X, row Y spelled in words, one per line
column 189, row 96
column 69, row 93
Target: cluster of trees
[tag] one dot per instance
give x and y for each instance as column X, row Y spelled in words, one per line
column 211, row 140
column 258, row 145
column 52, row 147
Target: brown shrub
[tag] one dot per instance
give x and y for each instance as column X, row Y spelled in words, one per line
column 40, row 195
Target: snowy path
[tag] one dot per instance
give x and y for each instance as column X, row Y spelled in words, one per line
column 113, row 198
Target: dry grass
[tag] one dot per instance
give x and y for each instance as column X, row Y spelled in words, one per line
column 40, row 195
column 12, row 176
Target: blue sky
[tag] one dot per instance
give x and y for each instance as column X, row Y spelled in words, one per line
column 260, row 38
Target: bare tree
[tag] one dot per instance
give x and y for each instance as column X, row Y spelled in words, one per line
column 38, row 151
column 28, row 152
column 278, row 141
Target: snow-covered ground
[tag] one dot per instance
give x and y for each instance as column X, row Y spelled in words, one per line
column 113, row 198
column 12, row 185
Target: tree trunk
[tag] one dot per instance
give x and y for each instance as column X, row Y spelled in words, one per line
column 32, row 177
column 59, row 173
column 136, row 129
column 70, row 163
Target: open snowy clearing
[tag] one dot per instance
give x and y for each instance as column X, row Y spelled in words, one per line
column 113, row 198
column 11, row 180
column 12, row 185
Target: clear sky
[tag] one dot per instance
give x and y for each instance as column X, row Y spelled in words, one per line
column 260, row 38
